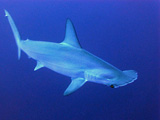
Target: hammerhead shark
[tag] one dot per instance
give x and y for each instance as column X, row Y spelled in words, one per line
column 69, row 59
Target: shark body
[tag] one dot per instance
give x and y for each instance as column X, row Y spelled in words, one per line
column 68, row 58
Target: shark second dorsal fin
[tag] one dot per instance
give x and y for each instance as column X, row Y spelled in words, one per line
column 70, row 35
column 74, row 85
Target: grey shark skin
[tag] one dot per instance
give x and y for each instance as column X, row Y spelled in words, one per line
column 68, row 58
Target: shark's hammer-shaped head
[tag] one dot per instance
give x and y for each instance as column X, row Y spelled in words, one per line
column 127, row 76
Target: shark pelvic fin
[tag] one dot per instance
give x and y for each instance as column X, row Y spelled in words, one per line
column 74, row 85
column 71, row 36
column 38, row 66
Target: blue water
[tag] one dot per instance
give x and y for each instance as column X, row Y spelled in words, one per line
column 124, row 34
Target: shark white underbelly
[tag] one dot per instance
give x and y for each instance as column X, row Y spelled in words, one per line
column 64, row 59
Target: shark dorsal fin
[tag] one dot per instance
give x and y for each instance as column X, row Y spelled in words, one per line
column 70, row 35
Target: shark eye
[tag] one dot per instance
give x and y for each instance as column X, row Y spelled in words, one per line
column 112, row 86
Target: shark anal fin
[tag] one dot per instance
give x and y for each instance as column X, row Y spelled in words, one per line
column 74, row 85
column 38, row 66
column 71, row 36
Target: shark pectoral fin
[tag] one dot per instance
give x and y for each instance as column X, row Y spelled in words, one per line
column 71, row 36
column 74, row 85
column 38, row 66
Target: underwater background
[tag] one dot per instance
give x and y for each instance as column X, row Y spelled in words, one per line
column 123, row 33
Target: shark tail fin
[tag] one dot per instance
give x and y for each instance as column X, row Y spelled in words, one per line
column 15, row 32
